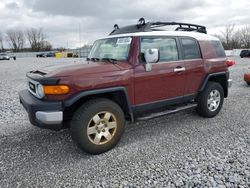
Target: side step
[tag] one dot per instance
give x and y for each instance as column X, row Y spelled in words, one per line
column 158, row 114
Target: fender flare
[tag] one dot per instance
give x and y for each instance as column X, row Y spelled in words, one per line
column 83, row 94
column 204, row 83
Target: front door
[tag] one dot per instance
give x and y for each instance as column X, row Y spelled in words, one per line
column 166, row 80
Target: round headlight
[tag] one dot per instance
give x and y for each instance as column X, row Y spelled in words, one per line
column 40, row 91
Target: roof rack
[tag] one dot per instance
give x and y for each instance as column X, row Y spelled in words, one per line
column 142, row 26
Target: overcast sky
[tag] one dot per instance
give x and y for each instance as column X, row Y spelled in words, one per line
column 61, row 19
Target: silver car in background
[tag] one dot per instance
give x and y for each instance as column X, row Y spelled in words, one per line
column 4, row 56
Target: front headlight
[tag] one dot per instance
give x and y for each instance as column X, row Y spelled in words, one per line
column 40, row 91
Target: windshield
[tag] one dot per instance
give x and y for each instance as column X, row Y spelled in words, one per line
column 111, row 48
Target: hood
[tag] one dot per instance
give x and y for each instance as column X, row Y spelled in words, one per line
column 80, row 67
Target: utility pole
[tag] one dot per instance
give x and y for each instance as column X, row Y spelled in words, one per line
column 79, row 54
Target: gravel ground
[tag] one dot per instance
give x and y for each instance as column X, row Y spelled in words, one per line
column 180, row 150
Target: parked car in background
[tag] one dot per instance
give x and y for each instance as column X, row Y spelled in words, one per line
column 247, row 76
column 5, row 56
column 49, row 54
column 245, row 53
column 41, row 55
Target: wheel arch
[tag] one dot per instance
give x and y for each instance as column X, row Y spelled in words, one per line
column 116, row 94
column 220, row 77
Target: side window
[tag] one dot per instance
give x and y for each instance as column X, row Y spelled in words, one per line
column 190, row 49
column 166, row 46
column 218, row 48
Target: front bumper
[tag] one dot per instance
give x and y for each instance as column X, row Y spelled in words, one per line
column 44, row 114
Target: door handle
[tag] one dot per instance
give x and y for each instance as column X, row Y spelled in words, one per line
column 179, row 69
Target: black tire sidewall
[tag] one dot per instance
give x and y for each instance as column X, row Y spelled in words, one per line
column 82, row 117
column 203, row 97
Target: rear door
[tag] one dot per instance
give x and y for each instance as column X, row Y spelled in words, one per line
column 166, row 80
column 194, row 64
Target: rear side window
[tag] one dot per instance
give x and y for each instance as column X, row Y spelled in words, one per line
column 166, row 46
column 190, row 49
column 220, row 52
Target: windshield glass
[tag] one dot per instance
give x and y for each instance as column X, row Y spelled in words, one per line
column 113, row 48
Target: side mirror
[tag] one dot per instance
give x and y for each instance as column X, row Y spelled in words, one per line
column 151, row 56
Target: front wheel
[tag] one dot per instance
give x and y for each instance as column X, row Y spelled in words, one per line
column 210, row 100
column 97, row 125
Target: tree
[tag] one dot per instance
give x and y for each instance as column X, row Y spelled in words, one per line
column 230, row 38
column 244, row 36
column 16, row 39
column 1, row 42
column 36, row 38
column 46, row 46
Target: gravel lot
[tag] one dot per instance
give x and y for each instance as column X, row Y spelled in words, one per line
column 180, row 150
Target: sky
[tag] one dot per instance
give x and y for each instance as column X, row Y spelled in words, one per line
column 71, row 23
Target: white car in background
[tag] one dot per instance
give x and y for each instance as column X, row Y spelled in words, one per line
column 5, row 56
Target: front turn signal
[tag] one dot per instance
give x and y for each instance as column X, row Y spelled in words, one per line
column 56, row 89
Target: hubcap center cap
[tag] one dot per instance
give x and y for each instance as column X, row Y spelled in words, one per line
column 100, row 126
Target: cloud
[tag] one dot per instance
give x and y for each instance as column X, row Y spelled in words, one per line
column 61, row 19
column 11, row 5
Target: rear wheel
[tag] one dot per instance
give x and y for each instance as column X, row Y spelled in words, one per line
column 97, row 125
column 210, row 100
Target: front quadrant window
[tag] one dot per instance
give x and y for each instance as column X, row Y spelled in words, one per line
column 114, row 48
column 190, row 49
column 166, row 46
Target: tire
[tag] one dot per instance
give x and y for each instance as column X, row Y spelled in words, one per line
column 213, row 93
column 92, row 131
column 248, row 83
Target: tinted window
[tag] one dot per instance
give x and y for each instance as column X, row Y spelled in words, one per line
column 218, row 48
column 166, row 46
column 190, row 49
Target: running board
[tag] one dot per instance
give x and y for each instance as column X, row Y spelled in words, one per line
column 158, row 114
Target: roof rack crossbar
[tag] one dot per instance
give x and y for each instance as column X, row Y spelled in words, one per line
column 142, row 26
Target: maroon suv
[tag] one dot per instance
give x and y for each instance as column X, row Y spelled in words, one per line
column 138, row 72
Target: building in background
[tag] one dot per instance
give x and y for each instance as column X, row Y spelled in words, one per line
column 84, row 51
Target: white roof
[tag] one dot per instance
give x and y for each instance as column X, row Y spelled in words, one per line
column 196, row 35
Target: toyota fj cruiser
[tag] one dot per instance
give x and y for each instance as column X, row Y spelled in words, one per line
column 138, row 72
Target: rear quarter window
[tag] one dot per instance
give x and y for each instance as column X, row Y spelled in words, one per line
column 190, row 48
column 219, row 50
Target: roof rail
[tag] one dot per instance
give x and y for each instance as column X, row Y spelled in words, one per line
column 142, row 26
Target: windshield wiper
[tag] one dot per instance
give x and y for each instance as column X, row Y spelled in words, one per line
column 111, row 60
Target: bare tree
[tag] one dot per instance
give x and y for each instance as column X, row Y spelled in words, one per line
column 229, row 37
column 1, row 42
column 36, row 38
column 16, row 39
column 46, row 46
column 244, row 35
